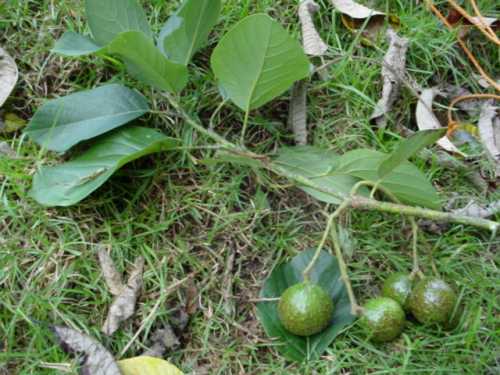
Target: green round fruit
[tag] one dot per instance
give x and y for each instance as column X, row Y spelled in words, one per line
column 305, row 309
column 432, row 301
column 383, row 319
column 398, row 287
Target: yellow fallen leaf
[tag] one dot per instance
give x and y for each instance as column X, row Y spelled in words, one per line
column 147, row 366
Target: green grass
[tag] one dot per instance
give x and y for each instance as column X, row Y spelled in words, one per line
column 186, row 217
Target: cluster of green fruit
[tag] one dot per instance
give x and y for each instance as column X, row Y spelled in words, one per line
column 306, row 309
column 431, row 301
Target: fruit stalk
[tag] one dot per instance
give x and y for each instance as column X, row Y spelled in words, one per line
column 356, row 202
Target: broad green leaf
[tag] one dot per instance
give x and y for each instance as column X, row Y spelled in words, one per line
column 74, row 44
column 69, row 183
column 108, row 18
column 186, row 31
column 146, row 62
column 325, row 273
column 318, row 164
column 406, row 181
column 257, row 60
column 143, row 60
column 61, row 123
column 147, row 366
column 408, row 148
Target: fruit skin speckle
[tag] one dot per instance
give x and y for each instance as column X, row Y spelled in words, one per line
column 305, row 309
column 398, row 287
column 383, row 319
column 432, row 301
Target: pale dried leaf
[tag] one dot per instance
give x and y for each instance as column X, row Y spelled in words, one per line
column 96, row 360
column 8, row 75
column 164, row 339
column 489, row 133
column 426, row 119
column 393, row 71
column 355, row 10
column 480, row 211
column 7, row 151
column 123, row 307
column 311, row 40
column 113, row 278
column 297, row 116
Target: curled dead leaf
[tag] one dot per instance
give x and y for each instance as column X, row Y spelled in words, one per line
column 297, row 116
column 123, row 307
column 96, row 360
column 489, row 133
column 393, row 72
column 163, row 340
column 311, row 40
column 480, row 211
column 8, row 75
column 426, row 119
column 356, row 16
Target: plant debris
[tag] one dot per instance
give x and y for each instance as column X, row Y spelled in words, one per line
column 123, row 306
column 6, row 150
column 393, row 71
column 426, row 119
column 297, row 116
column 96, row 360
column 8, row 75
column 481, row 211
column 311, row 40
column 164, row 340
column 489, row 132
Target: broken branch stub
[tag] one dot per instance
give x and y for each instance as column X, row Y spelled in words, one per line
column 297, row 116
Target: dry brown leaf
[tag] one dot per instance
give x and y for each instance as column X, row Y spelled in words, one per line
column 297, row 115
column 8, row 75
column 123, row 307
column 164, row 339
column 426, row 119
column 393, row 71
column 476, row 210
column 489, row 133
column 96, row 360
column 311, row 40
column 6, row 150
column 355, row 10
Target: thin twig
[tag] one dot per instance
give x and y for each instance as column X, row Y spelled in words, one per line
column 451, row 122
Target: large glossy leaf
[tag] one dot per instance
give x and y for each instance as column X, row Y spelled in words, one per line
column 147, row 366
column 61, row 123
column 406, row 181
column 108, row 18
column 318, row 165
column 326, row 273
column 69, row 183
column 409, row 147
column 258, row 60
column 187, row 30
column 147, row 63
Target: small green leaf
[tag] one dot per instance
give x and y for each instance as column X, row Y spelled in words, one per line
column 144, row 365
column 146, row 62
column 69, row 183
column 74, row 44
column 326, row 273
column 257, row 60
column 408, row 148
column 186, row 31
column 108, row 18
column 62, row 123
column 406, row 181
column 318, row 165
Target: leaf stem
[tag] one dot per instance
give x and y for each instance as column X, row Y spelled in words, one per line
column 245, row 126
column 355, row 308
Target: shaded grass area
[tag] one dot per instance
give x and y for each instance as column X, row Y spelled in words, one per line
column 186, row 217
